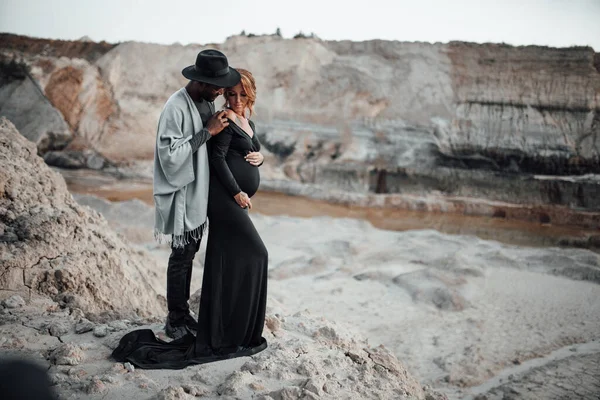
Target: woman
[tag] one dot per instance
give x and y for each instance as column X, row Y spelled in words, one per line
column 234, row 285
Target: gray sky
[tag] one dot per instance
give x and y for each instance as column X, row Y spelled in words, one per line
column 556, row 23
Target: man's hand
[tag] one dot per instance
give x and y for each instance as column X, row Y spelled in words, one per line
column 243, row 200
column 216, row 123
column 255, row 158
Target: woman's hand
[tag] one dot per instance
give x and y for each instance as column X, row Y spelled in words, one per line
column 255, row 158
column 243, row 200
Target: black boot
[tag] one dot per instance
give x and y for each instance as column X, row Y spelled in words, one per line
column 178, row 326
column 176, row 332
column 179, row 272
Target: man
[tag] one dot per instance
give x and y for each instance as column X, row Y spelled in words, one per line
column 181, row 175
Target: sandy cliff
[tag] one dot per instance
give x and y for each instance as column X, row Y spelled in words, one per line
column 503, row 123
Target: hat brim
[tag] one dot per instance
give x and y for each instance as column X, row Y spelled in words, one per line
column 231, row 79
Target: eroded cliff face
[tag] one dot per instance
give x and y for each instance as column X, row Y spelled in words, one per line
column 461, row 119
column 55, row 96
column 528, row 108
column 23, row 101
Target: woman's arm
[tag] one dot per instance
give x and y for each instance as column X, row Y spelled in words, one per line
column 220, row 146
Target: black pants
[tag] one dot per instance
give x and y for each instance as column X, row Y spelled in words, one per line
column 179, row 277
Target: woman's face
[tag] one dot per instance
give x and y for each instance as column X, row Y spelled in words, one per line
column 237, row 99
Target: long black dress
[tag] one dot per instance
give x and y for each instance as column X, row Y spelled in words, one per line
column 234, row 285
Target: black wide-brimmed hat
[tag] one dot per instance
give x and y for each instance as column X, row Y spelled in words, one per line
column 212, row 67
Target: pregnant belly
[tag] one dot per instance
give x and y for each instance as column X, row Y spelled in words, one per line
column 246, row 175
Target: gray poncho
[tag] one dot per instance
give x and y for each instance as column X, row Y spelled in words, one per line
column 180, row 175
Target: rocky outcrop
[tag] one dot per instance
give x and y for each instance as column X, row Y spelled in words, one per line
column 61, row 104
column 52, row 247
column 534, row 109
column 23, row 101
column 460, row 119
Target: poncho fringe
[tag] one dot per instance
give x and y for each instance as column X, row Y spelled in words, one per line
column 178, row 241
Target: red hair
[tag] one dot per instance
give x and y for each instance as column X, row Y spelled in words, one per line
column 249, row 86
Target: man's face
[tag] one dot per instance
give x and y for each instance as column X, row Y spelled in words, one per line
column 210, row 92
